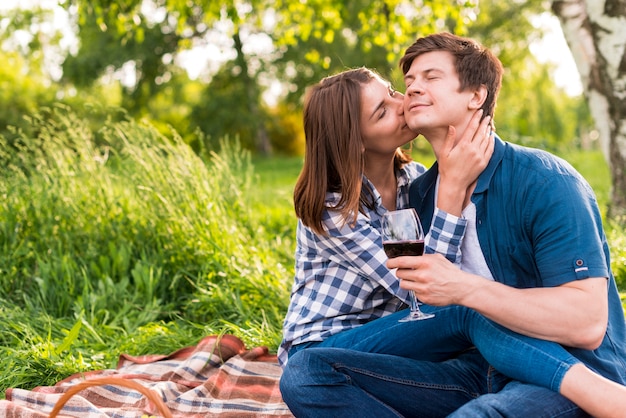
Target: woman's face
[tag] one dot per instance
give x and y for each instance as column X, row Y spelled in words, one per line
column 382, row 118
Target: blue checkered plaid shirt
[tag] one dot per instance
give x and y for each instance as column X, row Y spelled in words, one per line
column 341, row 280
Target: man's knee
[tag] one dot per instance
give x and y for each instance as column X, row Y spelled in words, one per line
column 485, row 406
column 290, row 380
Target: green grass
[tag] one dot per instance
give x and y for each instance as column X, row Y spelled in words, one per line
column 125, row 241
column 119, row 240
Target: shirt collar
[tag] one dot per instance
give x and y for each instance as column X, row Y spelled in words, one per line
column 485, row 177
column 403, row 176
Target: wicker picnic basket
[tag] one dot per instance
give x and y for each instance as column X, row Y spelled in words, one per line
column 147, row 392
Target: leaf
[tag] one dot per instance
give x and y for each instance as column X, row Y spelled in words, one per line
column 70, row 338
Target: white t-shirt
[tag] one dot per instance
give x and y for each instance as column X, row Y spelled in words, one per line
column 472, row 258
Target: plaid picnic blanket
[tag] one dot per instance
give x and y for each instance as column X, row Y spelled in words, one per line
column 218, row 377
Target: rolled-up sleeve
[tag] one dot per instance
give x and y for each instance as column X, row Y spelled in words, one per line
column 446, row 236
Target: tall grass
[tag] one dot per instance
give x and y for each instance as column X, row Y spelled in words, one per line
column 121, row 240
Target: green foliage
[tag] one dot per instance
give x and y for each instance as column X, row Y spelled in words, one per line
column 171, row 107
column 533, row 112
column 324, row 37
column 224, row 109
column 310, row 40
column 506, row 28
column 26, row 86
column 22, row 90
column 113, row 34
column 286, row 131
column 616, row 237
column 38, row 349
column 135, row 237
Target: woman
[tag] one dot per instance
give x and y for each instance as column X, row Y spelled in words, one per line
column 340, row 200
column 343, row 295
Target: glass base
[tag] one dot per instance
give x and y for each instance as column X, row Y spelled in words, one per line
column 416, row 316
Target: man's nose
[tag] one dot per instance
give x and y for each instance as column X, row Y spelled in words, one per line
column 413, row 88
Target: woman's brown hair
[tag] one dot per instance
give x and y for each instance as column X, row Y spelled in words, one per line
column 333, row 160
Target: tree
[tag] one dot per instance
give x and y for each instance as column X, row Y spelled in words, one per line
column 594, row 32
column 29, row 48
column 113, row 35
column 531, row 109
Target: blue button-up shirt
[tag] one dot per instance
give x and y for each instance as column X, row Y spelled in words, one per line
column 341, row 279
column 539, row 225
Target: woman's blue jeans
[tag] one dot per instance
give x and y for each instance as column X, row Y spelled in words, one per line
column 393, row 368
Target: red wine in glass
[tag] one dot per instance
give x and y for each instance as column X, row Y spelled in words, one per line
column 403, row 248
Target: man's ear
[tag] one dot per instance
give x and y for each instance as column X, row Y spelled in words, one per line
column 478, row 98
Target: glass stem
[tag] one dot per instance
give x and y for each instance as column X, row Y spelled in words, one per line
column 414, row 303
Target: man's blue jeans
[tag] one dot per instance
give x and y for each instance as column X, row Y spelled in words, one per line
column 337, row 382
column 418, row 348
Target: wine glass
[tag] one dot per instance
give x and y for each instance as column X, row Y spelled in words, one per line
column 402, row 235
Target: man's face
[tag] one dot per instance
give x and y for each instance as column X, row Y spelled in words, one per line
column 433, row 100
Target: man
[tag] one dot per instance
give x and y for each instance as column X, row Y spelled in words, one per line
column 535, row 260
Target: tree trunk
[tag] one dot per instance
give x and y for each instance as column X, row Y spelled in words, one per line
column 594, row 30
column 262, row 141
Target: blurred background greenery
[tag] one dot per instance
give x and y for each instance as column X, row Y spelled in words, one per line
column 240, row 69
